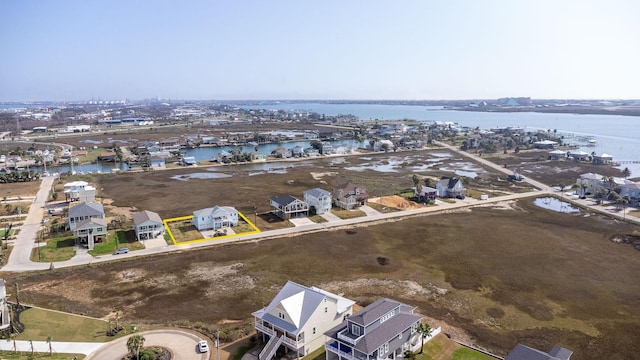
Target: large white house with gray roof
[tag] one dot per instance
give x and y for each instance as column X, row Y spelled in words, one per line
column 84, row 211
column 383, row 330
column 318, row 198
column 216, row 217
column 297, row 319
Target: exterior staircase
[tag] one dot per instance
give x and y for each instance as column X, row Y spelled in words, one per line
column 270, row 349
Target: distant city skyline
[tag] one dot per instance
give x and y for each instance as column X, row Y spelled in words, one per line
column 233, row 50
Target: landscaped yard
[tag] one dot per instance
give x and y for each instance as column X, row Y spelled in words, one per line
column 39, row 324
column 10, row 355
column 117, row 239
column 55, row 249
column 317, row 219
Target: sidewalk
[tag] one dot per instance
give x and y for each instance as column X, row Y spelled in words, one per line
column 57, row 347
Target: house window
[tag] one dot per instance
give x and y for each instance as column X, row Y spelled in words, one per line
column 414, row 328
column 314, row 330
column 355, row 329
column 383, row 349
column 386, row 317
column 326, row 309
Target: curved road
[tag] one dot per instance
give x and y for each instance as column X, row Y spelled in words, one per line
column 181, row 343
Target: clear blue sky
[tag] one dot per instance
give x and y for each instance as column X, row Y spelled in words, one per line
column 329, row 49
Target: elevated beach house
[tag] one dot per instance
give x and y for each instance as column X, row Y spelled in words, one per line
column 297, row 318
column 285, row 207
column 79, row 191
column 347, row 195
column 216, row 217
column 450, row 187
column 319, row 199
column 383, row 330
column 147, row 225
column 84, row 211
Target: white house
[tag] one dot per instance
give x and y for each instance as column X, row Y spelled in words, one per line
column 215, row 218
column 450, row 187
column 5, row 317
column 79, row 191
column 319, row 199
column 589, row 183
column 298, row 317
column 90, row 231
column 147, row 225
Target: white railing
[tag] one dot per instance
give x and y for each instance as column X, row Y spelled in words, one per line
column 271, row 348
column 347, row 338
column 293, row 343
column 260, row 327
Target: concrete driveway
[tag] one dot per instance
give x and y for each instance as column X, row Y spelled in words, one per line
column 181, row 343
column 301, row 221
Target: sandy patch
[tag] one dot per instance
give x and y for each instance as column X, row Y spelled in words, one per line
column 320, row 175
column 396, row 202
column 127, row 212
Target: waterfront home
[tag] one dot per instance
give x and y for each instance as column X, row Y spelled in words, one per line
column 79, row 191
column 5, row 314
column 523, row 352
column 90, row 231
column 589, row 183
column 258, row 157
column 450, row 187
column 147, row 225
column 578, row 155
column 84, row 211
column 630, row 189
column 158, row 162
column 287, row 206
column 557, row 155
column 347, row 195
column 545, row 144
column 297, row 151
column 107, row 156
column 281, row 153
column 297, row 318
column 216, row 217
column 383, row 330
column 188, row 161
column 602, row 159
column 319, row 199
column 326, row 148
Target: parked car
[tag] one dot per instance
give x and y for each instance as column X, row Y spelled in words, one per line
column 203, row 346
column 121, row 251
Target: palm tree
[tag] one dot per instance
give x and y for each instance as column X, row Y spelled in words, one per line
column 49, row 339
column 135, row 343
column 12, row 336
column 425, row 331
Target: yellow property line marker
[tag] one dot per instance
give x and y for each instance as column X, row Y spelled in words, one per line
column 181, row 218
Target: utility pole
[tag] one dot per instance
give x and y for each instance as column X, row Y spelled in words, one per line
column 218, row 344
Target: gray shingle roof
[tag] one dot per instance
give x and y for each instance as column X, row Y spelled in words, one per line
column 385, row 332
column 317, row 192
column 374, row 311
column 284, row 200
column 97, row 221
column 86, row 209
column 523, row 352
column 144, row 216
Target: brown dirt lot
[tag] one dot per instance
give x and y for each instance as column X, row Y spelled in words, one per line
column 523, row 275
column 396, row 202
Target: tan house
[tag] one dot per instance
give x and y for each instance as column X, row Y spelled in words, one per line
column 349, row 196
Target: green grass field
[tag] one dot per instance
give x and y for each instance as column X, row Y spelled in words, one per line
column 117, row 239
column 56, row 249
column 10, row 355
column 39, row 324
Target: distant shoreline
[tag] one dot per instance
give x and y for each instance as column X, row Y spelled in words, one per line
column 554, row 110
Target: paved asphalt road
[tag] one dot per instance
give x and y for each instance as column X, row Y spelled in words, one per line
column 181, row 343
